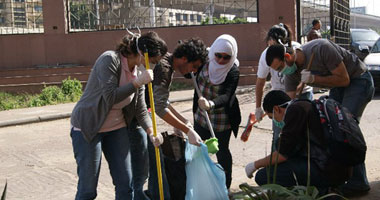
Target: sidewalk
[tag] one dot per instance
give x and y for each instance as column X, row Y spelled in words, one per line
column 53, row 112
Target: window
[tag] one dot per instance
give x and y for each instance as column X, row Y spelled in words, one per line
column 185, row 17
column 18, row 9
column 191, row 17
column 18, row 0
column 1, row 5
column 376, row 47
column 20, row 24
column 38, row 8
column 2, row 20
column 19, row 15
column 178, row 16
column 170, row 14
column 199, row 18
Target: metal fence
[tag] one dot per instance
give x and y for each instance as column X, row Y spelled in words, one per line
column 92, row 15
column 21, row 16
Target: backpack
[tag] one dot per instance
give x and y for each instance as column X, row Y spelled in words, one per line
column 345, row 141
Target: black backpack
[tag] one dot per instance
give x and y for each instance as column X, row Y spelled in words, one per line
column 346, row 143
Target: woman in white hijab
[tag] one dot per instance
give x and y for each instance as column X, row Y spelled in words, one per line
column 217, row 81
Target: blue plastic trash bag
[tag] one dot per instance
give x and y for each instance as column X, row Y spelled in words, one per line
column 205, row 179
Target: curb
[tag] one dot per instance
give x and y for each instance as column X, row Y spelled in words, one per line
column 28, row 120
column 50, row 117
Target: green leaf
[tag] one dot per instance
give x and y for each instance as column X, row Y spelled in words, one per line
column 330, row 195
column 3, row 196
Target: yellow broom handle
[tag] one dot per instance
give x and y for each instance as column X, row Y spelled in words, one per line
column 158, row 160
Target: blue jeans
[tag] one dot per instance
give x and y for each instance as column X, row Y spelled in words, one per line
column 153, row 187
column 286, row 171
column 355, row 98
column 115, row 146
column 139, row 160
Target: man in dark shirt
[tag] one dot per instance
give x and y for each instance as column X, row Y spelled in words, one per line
column 298, row 120
column 315, row 32
column 333, row 67
column 187, row 57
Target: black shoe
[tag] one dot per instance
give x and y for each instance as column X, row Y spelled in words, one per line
column 348, row 191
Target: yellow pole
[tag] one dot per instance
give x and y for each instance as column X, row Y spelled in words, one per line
column 158, row 160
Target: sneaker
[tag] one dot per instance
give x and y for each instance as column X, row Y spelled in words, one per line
column 349, row 191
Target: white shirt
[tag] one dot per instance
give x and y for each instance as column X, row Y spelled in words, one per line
column 277, row 80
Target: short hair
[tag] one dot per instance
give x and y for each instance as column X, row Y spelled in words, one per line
column 274, row 98
column 149, row 41
column 277, row 51
column 315, row 22
column 280, row 32
column 192, row 49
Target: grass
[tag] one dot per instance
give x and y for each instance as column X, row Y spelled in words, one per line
column 70, row 91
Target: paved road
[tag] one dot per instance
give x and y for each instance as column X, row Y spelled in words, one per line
column 38, row 163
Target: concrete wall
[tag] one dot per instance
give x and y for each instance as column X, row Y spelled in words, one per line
column 57, row 46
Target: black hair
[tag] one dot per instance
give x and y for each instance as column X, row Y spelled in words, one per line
column 193, row 49
column 149, row 41
column 280, row 32
column 315, row 21
column 277, row 51
column 275, row 98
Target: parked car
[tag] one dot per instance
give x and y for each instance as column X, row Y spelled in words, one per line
column 373, row 63
column 362, row 41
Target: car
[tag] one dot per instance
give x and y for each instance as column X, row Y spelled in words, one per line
column 373, row 63
column 362, row 41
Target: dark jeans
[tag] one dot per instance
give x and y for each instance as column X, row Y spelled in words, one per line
column 285, row 176
column 153, row 187
column 139, row 160
column 115, row 146
column 355, row 97
column 223, row 156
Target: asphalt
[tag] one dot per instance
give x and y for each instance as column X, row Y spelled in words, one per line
column 60, row 111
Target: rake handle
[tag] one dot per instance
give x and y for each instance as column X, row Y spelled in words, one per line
column 204, row 112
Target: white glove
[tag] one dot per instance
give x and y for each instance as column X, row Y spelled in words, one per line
column 145, row 77
column 205, row 104
column 306, row 76
column 194, row 137
column 156, row 141
column 259, row 114
column 250, row 169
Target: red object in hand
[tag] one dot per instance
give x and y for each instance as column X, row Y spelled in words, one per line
column 248, row 128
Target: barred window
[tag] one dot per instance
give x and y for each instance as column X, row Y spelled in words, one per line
column 21, row 17
column 178, row 16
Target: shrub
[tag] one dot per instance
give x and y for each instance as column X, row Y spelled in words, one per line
column 7, row 101
column 70, row 91
column 52, row 95
column 36, row 102
column 72, row 88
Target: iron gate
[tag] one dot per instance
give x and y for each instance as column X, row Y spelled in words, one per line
column 340, row 16
column 334, row 15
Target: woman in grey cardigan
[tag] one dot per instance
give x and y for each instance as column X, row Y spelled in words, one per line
column 113, row 96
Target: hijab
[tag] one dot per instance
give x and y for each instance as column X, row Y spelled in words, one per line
column 223, row 44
